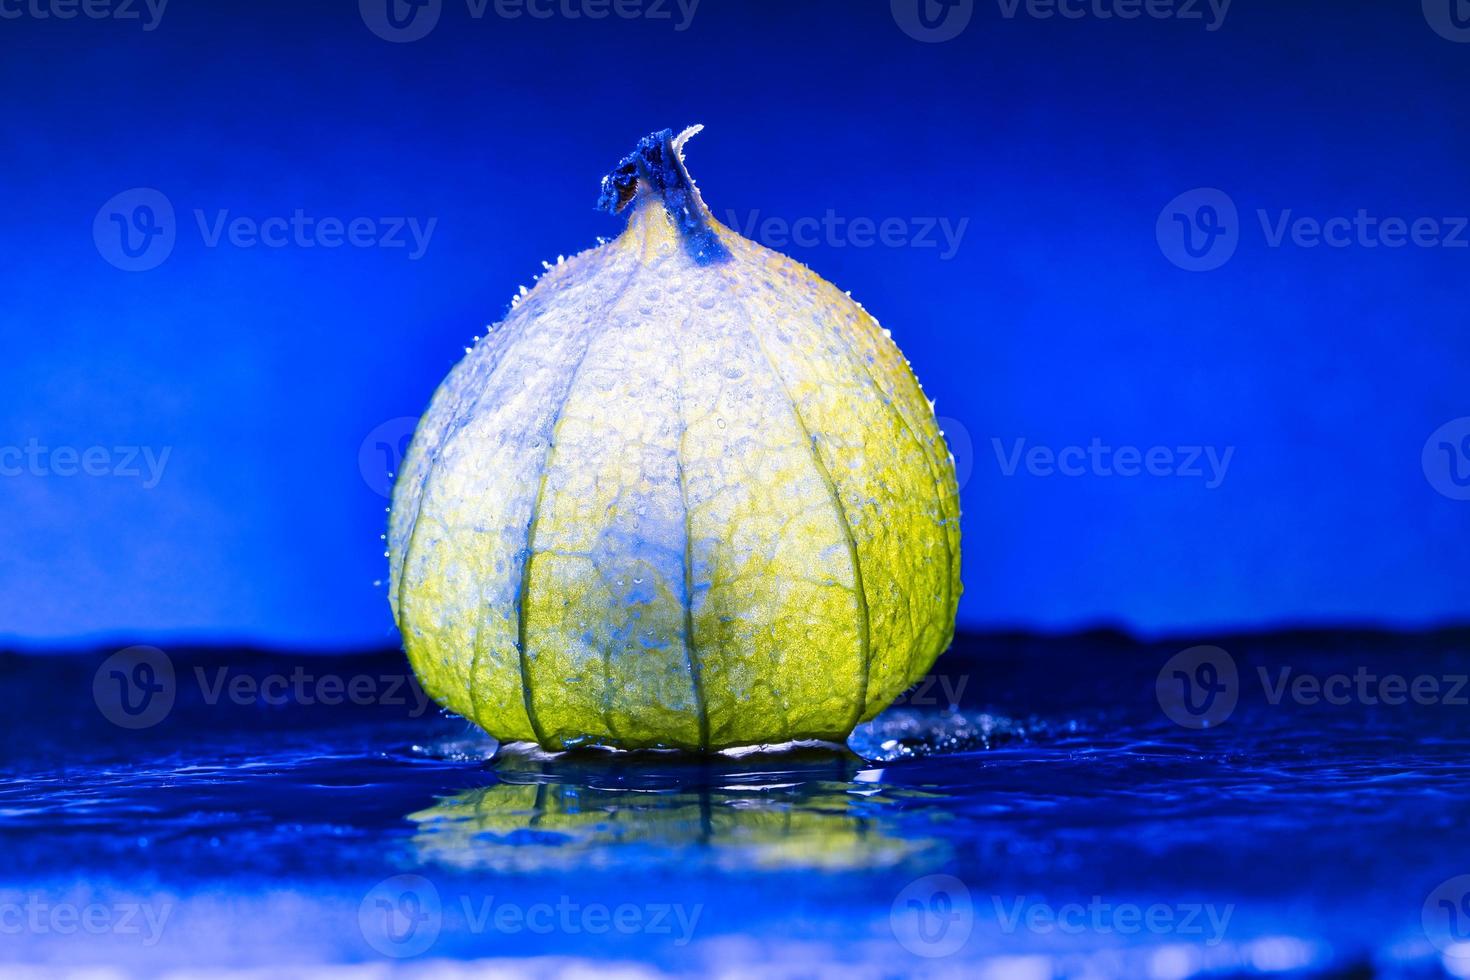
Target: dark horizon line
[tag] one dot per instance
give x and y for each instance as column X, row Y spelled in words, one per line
column 1108, row 633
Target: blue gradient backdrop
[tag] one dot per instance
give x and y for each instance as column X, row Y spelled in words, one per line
column 1058, row 319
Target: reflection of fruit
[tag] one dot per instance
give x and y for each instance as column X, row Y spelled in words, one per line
column 537, row 821
column 687, row 495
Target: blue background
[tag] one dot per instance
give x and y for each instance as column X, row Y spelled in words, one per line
column 1060, row 318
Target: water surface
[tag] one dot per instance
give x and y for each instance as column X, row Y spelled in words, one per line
column 1032, row 811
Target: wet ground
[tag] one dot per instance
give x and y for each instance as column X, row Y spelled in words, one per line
column 1294, row 804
